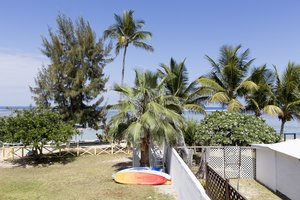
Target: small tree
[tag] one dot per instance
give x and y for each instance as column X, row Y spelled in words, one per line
column 225, row 128
column 35, row 127
column 146, row 114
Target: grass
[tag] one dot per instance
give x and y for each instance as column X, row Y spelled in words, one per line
column 75, row 178
column 253, row 190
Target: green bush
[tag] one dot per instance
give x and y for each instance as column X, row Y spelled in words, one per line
column 225, row 128
column 35, row 127
column 190, row 132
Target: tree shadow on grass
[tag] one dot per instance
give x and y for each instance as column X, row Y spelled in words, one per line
column 45, row 160
column 123, row 165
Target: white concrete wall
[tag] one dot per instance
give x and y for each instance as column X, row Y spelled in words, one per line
column 288, row 176
column 184, row 181
column 266, row 167
column 279, row 172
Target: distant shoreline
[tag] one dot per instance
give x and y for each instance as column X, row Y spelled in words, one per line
column 208, row 108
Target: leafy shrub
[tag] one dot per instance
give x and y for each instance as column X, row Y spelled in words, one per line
column 225, row 128
column 190, row 132
column 35, row 127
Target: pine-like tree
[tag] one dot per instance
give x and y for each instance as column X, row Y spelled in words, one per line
column 74, row 79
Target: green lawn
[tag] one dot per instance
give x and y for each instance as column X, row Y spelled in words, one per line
column 76, row 178
column 253, row 190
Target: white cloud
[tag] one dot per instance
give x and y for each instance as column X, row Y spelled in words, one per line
column 18, row 70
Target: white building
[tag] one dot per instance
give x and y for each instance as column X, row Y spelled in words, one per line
column 278, row 167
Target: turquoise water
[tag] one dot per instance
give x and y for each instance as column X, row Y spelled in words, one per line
column 90, row 134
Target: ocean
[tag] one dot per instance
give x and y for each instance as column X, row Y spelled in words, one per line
column 90, row 134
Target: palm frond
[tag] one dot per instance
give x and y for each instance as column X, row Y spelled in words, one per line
column 211, row 83
column 294, row 103
column 149, row 119
column 134, row 131
column 219, row 97
column 235, row 106
column 272, row 110
column 195, row 108
column 123, row 89
column 141, row 35
column 248, row 85
column 143, row 45
column 255, row 104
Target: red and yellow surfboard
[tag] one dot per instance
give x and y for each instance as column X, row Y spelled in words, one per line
column 139, row 178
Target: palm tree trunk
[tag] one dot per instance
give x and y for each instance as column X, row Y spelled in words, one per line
column 183, row 151
column 123, row 66
column 282, row 127
column 145, row 152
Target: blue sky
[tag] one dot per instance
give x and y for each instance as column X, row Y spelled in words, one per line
column 181, row 29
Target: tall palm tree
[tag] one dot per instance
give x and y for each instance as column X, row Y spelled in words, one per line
column 176, row 82
column 127, row 31
column 227, row 80
column 146, row 113
column 287, row 94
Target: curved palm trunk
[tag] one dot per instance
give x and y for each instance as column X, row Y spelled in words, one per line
column 282, row 127
column 145, row 152
column 123, row 66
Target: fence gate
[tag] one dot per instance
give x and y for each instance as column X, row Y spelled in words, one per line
column 232, row 161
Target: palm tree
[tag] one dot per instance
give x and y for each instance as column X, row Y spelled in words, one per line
column 127, row 31
column 176, row 82
column 264, row 97
column 146, row 114
column 287, row 94
column 227, row 80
